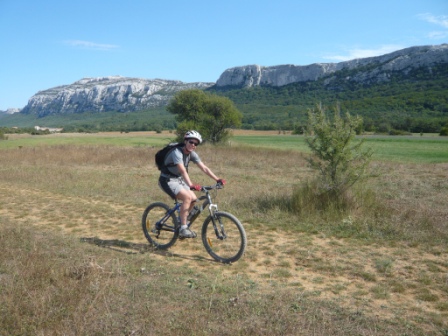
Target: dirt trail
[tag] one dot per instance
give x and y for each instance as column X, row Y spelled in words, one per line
column 377, row 280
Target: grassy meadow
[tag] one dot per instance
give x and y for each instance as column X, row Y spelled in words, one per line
column 74, row 260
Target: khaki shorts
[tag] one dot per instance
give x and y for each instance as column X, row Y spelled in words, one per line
column 173, row 185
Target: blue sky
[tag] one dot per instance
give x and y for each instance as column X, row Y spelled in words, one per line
column 48, row 43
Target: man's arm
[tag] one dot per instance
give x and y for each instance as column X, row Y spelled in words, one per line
column 207, row 171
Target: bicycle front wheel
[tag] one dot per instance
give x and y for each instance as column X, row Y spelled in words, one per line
column 160, row 229
column 224, row 237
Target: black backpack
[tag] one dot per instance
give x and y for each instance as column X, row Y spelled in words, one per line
column 161, row 155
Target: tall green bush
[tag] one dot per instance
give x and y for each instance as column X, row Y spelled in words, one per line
column 340, row 161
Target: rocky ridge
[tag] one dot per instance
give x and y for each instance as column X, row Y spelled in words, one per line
column 371, row 69
column 10, row 111
column 114, row 93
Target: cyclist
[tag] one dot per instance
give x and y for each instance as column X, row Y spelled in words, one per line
column 175, row 181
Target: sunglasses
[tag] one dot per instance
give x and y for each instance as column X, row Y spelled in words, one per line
column 193, row 143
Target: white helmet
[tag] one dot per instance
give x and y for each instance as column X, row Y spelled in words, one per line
column 193, row 135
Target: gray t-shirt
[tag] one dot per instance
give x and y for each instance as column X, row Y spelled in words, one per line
column 177, row 156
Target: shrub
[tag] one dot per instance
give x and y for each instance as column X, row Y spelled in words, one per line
column 340, row 163
column 399, row 132
column 444, row 131
column 298, row 129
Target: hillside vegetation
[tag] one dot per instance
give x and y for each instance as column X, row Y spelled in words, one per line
column 415, row 102
column 146, row 120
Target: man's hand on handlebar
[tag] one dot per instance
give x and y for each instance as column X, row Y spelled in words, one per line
column 196, row 187
column 221, row 181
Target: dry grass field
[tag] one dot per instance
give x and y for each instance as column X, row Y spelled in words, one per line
column 74, row 260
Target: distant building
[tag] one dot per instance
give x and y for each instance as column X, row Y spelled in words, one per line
column 49, row 129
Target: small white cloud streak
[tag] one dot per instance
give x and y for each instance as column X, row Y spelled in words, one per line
column 441, row 20
column 90, row 45
column 438, row 35
column 363, row 53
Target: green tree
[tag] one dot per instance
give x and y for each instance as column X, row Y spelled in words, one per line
column 209, row 114
column 340, row 162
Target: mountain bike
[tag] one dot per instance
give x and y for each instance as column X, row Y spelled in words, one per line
column 223, row 236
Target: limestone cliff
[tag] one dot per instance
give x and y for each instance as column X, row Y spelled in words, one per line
column 106, row 94
column 372, row 69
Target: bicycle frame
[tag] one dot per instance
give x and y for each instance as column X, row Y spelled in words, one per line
column 212, row 208
column 161, row 224
column 208, row 203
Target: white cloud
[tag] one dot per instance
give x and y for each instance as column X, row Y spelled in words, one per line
column 438, row 35
column 90, row 45
column 440, row 20
column 363, row 53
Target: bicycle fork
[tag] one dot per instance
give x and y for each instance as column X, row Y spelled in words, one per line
column 217, row 223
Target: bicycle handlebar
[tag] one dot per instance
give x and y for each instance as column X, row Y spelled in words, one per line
column 215, row 186
column 207, row 188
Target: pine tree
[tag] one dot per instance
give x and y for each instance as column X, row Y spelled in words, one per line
column 340, row 162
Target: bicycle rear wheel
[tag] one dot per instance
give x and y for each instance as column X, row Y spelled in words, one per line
column 160, row 229
column 224, row 237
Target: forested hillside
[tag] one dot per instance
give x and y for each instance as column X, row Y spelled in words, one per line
column 415, row 102
column 154, row 119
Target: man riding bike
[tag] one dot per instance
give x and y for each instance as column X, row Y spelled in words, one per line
column 175, row 181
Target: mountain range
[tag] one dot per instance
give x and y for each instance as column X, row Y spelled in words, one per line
column 124, row 94
column 369, row 70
